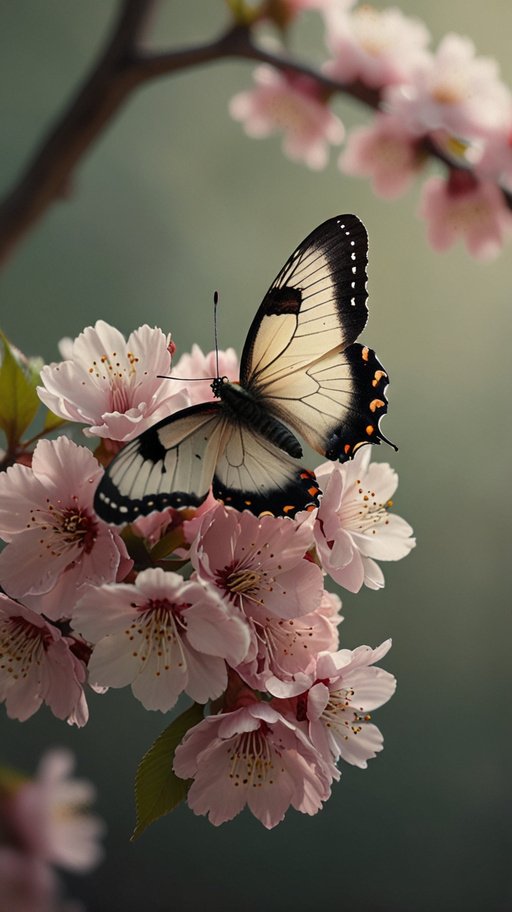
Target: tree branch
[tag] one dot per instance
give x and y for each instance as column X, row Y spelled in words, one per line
column 120, row 69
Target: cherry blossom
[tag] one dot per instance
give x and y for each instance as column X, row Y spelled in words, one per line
column 197, row 365
column 385, row 152
column 57, row 544
column 163, row 635
column 291, row 104
column 286, row 648
column 377, row 47
column 111, row 383
column 354, row 527
column 257, row 563
column 48, row 818
column 38, row 665
column 252, row 756
column 466, row 208
column 453, row 90
column 347, row 688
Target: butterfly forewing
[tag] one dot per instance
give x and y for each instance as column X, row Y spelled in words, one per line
column 317, row 303
column 169, row 465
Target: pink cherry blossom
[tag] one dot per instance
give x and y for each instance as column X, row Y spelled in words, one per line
column 494, row 158
column 252, row 756
column 334, row 702
column 257, row 563
column 293, row 105
column 385, row 152
column 37, row 665
column 111, row 383
column 57, row 544
column 463, row 207
column 196, row 365
column 47, row 815
column 453, row 90
column 377, row 47
column 163, row 635
column 286, row 648
column 354, row 527
column 347, row 688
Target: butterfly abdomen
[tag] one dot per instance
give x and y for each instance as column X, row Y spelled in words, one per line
column 243, row 406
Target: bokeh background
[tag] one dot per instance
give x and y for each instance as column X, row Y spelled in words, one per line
column 174, row 202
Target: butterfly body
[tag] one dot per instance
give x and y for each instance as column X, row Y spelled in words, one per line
column 301, row 371
column 244, row 407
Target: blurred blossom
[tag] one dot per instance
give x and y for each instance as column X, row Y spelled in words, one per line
column 49, row 818
column 384, row 152
column 463, row 207
column 354, row 527
column 294, row 105
column 377, row 47
column 252, row 756
column 111, row 383
column 453, row 90
column 196, row 365
column 56, row 543
column 163, row 636
column 38, row 666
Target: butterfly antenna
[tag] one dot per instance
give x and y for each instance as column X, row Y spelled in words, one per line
column 215, row 304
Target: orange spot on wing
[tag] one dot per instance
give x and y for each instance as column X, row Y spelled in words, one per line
column 346, row 448
column 288, row 508
column 313, row 491
column 375, row 404
column 377, row 377
column 365, row 352
column 369, row 429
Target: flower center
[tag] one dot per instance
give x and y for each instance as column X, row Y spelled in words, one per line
column 22, row 645
column 157, row 631
column 252, row 760
column 243, row 580
column 119, row 370
column 64, row 528
column 363, row 512
column 341, row 717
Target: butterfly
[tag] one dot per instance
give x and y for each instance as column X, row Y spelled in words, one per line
column 301, row 372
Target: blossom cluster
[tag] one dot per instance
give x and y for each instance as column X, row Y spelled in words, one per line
column 252, row 631
column 448, row 100
column 45, row 823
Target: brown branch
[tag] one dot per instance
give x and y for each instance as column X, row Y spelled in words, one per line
column 120, row 69
column 47, row 177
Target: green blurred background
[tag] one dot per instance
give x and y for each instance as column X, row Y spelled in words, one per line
column 174, row 202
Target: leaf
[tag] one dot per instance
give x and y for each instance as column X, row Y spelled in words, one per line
column 10, row 781
column 157, row 788
column 19, row 401
column 168, row 543
column 52, row 421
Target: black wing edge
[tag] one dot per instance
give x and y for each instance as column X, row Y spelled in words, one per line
column 115, row 508
column 344, row 241
column 301, row 494
column 368, row 406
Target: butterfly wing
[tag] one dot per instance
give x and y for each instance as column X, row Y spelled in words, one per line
column 254, row 474
column 300, row 357
column 169, row 465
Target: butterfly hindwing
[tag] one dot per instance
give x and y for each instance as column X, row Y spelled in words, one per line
column 169, row 465
column 254, row 474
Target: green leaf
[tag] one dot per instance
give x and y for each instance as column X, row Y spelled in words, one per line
column 11, row 780
column 157, row 788
column 52, row 422
column 19, row 401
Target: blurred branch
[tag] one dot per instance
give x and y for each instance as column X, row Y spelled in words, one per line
column 122, row 67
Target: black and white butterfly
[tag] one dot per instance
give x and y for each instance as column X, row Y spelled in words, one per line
column 301, row 372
